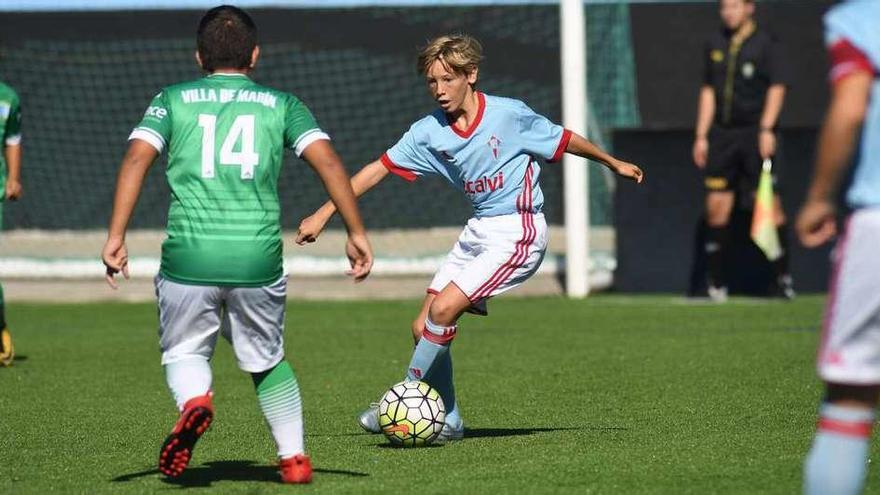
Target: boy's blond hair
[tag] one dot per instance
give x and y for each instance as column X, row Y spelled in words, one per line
column 459, row 52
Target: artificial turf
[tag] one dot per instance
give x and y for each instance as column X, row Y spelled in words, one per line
column 609, row 395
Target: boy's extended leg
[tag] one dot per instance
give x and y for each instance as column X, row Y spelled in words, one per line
column 440, row 376
column 431, row 361
column 7, row 350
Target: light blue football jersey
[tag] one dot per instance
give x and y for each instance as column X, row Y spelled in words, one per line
column 852, row 34
column 489, row 162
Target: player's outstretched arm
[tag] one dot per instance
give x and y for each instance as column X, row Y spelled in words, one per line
column 137, row 161
column 312, row 226
column 321, row 156
column 580, row 146
column 837, row 140
column 12, row 153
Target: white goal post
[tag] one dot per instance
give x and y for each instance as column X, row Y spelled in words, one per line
column 574, row 117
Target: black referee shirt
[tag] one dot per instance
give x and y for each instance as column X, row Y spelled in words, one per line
column 740, row 75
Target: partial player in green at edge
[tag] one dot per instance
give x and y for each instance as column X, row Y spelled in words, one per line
column 221, row 269
column 10, row 184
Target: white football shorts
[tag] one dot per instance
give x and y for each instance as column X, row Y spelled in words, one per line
column 492, row 256
column 250, row 318
column 849, row 350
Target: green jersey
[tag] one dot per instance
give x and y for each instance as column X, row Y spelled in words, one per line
column 225, row 136
column 10, row 127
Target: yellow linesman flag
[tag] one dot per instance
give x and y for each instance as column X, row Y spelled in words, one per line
column 764, row 232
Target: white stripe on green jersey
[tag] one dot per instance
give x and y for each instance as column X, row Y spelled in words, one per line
column 225, row 137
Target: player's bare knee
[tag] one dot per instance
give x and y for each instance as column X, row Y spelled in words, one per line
column 443, row 313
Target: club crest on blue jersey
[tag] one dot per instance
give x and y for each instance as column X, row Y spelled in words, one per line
column 495, row 145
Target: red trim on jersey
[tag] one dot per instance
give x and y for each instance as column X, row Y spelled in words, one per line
column 392, row 167
column 563, row 145
column 846, row 60
column 433, row 291
column 831, row 304
column 521, row 254
column 481, row 107
column 853, row 429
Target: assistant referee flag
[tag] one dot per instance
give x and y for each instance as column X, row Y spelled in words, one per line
column 764, row 232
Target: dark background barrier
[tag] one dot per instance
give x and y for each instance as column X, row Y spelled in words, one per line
column 668, row 42
column 658, row 223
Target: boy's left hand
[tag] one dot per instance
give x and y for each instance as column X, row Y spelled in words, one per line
column 629, row 171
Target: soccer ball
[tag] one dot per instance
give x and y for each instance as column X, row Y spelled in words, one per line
column 411, row 414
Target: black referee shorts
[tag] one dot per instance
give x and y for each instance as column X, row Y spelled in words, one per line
column 734, row 160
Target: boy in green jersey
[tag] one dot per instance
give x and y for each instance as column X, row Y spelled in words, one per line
column 10, row 184
column 221, row 269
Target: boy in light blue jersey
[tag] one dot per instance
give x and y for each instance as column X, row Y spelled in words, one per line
column 487, row 147
column 849, row 352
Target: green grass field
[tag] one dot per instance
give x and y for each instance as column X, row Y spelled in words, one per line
column 612, row 395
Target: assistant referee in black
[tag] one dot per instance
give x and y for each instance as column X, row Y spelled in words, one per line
column 738, row 110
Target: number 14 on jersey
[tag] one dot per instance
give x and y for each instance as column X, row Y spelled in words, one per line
column 242, row 131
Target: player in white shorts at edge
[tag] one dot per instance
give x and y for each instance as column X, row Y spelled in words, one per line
column 849, row 349
column 487, row 147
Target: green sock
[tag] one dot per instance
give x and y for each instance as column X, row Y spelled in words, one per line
column 278, row 395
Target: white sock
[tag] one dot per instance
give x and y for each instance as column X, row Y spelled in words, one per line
column 188, row 378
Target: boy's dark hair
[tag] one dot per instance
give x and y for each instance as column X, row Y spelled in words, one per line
column 226, row 38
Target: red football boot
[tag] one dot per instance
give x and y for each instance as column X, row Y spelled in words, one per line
column 177, row 449
column 296, row 469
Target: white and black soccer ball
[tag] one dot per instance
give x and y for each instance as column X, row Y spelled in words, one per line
column 411, row 414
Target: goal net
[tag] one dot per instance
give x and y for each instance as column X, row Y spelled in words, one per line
column 84, row 79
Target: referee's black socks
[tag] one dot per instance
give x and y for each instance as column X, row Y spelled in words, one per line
column 780, row 266
column 716, row 243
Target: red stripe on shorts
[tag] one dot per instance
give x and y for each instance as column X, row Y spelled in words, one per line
column 833, row 289
column 521, row 254
column 521, row 247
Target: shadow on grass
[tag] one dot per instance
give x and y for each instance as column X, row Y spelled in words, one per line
column 400, row 447
column 210, row 472
column 518, row 432
column 470, row 433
